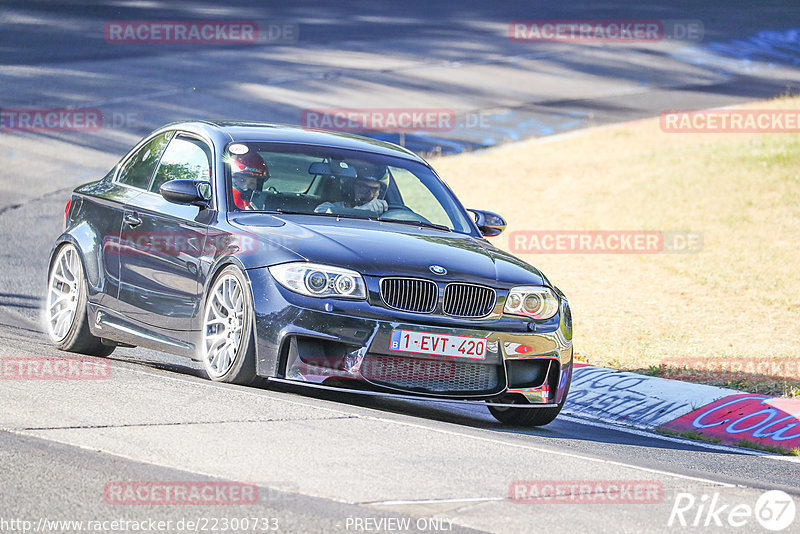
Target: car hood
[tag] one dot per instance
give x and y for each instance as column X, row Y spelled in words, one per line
column 384, row 249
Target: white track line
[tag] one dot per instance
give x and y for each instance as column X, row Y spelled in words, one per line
column 558, row 453
column 532, row 447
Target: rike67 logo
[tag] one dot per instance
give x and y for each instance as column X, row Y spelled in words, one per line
column 774, row 510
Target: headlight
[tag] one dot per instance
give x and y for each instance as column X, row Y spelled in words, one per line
column 316, row 280
column 536, row 302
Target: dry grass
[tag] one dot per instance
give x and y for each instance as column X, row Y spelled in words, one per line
column 769, row 448
column 689, row 434
column 737, row 298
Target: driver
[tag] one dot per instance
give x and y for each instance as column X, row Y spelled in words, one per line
column 363, row 193
column 248, row 172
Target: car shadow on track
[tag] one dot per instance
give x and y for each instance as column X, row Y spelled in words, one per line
column 560, row 433
column 477, row 416
column 159, row 361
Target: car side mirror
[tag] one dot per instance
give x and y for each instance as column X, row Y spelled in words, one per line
column 490, row 224
column 197, row 192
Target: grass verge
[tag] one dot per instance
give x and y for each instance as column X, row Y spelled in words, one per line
column 693, row 434
column 688, row 434
column 736, row 300
column 768, row 448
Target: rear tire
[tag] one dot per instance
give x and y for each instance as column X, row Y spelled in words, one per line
column 227, row 345
column 65, row 310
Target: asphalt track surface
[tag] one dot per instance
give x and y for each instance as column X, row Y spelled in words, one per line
column 325, row 462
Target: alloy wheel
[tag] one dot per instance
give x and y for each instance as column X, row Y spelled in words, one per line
column 63, row 291
column 223, row 324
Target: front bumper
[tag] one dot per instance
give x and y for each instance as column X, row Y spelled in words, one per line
column 346, row 343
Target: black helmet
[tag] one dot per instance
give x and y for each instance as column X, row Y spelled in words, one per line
column 372, row 172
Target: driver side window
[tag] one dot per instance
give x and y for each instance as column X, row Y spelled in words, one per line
column 184, row 159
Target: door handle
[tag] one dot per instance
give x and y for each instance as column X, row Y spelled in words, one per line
column 132, row 220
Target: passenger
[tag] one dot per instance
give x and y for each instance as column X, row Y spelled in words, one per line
column 363, row 194
column 248, row 172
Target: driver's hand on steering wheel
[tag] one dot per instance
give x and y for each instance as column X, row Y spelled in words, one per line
column 376, row 205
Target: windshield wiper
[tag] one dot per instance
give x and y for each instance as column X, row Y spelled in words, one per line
column 290, row 212
column 323, row 214
column 418, row 223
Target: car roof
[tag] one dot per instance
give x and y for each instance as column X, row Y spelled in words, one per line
column 261, row 132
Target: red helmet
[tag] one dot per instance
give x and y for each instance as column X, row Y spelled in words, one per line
column 250, row 164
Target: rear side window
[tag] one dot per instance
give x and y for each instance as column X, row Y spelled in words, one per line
column 139, row 168
column 184, row 159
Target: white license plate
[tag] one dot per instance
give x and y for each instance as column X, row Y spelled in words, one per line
column 438, row 344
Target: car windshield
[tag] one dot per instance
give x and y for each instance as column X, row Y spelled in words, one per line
column 323, row 181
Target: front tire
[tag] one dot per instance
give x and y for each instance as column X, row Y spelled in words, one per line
column 524, row 416
column 65, row 310
column 227, row 347
column 528, row 416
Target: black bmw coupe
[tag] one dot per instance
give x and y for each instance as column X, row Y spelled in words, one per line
column 310, row 257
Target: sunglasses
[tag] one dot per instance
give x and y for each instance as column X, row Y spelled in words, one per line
column 368, row 187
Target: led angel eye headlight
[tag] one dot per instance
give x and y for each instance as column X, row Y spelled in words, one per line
column 315, row 280
column 345, row 284
column 536, row 302
column 514, row 302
